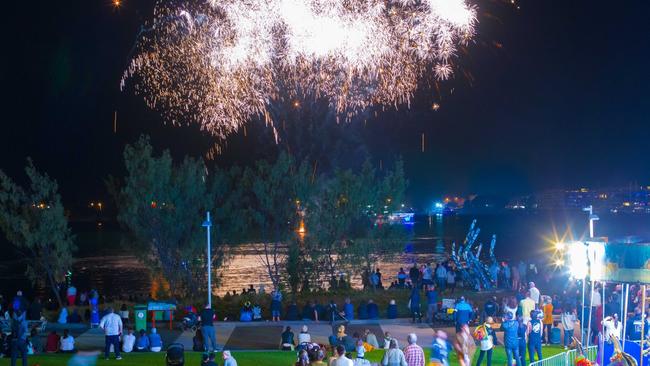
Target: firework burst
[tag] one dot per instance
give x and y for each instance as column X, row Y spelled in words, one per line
column 223, row 63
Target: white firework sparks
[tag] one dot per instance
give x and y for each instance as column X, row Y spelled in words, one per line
column 223, row 63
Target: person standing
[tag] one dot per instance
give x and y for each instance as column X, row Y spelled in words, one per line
column 393, row 356
column 463, row 313
column 548, row 319
column 71, row 294
column 207, row 328
column 440, row 349
column 427, row 274
column 522, row 269
column 276, row 305
column 451, row 279
column 535, row 334
column 413, row 354
column 510, row 341
column 527, row 305
column 490, row 309
column 522, row 338
column 432, row 303
column 19, row 339
column 612, row 327
column 487, row 343
column 415, row 304
column 414, row 274
column 568, row 319
column 506, row 275
column 464, row 346
column 111, row 324
column 340, row 359
column 534, row 293
column 441, row 276
column 514, row 270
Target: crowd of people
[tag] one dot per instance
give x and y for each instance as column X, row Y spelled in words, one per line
column 529, row 318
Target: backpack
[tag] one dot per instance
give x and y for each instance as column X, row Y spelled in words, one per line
column 480, row 332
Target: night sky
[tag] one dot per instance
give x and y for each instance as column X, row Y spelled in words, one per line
column 558, row 97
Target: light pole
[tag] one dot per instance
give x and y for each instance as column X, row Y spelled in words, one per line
column 592, row 218
column 206, row 224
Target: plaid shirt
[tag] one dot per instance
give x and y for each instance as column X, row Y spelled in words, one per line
column 414, row 355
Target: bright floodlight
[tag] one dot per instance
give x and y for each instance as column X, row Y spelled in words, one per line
column 596, row 251
column 559, row 246
column 578, row 260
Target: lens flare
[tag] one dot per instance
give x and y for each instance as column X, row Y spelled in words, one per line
column 223, row 63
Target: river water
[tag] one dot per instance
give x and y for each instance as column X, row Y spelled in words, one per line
column 106, row 264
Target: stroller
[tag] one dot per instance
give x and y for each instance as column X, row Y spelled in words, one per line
column 190, row 321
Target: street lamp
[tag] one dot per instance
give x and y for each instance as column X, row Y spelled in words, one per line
column 592, row 217
column 207, row 224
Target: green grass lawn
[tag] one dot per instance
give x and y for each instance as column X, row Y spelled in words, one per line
column 251, row 358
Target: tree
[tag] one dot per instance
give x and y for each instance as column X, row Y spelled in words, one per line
column 162, row 205
column 33, row 219
column 274, row 206
column 345, row 224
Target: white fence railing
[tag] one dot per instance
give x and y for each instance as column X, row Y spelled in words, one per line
column 566, row 358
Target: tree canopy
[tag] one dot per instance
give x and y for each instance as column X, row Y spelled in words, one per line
column 33, row 219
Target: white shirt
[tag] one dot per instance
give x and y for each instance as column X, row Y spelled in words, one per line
column 361, row 362
column 67, row 344
column 111, row 324
column 534, row 294
column 304, row 338
column 612, row 329
column 568, row 321
column 342, row 361
column 128, row 342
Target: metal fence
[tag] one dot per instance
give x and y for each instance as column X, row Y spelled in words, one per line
column 566, row 358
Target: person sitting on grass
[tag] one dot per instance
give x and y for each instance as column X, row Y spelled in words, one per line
column 208, row 359
column 371, row 339
column 52, row 343
column 304, row 336
column 128, row 341
column 155, row 341
column 303, row 358
column 287, row 342
column 67, row 342
column 143, row 344
column 228, row 360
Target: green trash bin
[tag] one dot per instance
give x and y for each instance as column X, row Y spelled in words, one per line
column 140, row 312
